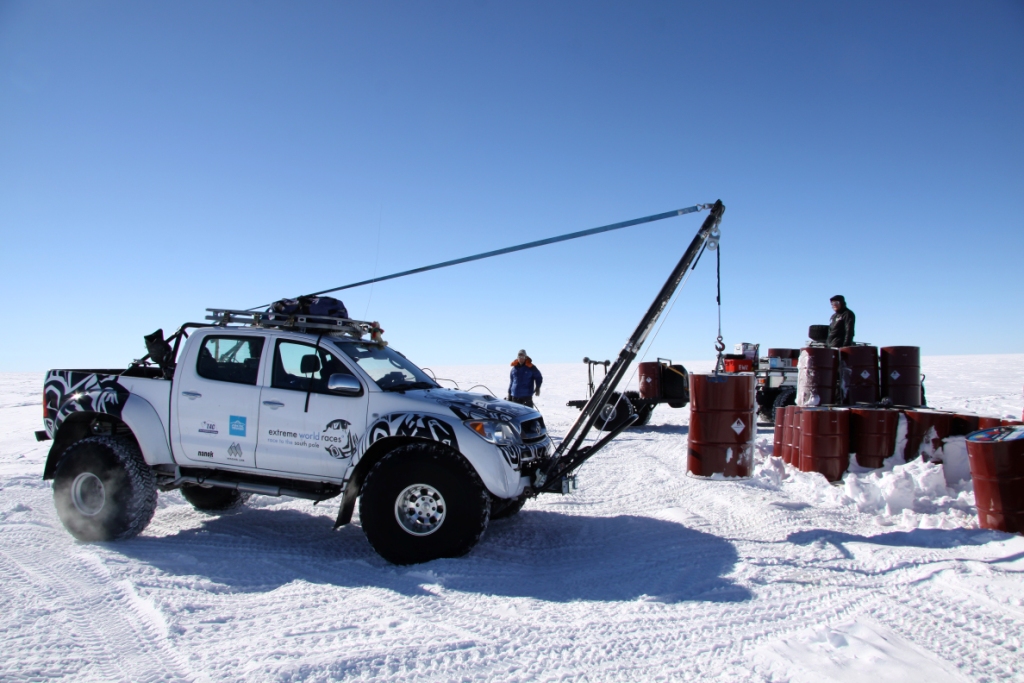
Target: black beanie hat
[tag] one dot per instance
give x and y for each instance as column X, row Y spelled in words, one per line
column 840, row 298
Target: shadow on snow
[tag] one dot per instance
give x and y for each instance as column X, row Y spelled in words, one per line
column 915, row 538
column 681, row 430
column 537, row 554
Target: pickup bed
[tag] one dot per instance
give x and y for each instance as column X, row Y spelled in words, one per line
column 249, row 409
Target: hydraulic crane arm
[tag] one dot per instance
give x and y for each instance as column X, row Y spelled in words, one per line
column 571, row 453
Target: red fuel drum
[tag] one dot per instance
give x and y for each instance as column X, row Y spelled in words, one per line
column 650, row 380
column 997, row 469
column 825, row 441
column 901, row 375
column 780, row 430
column 963, row 424
column 819, row 374
column 859, row 366
column 787, row 433
column 873, row 435
column 919, row 423
column 988, row 422
column 791, row 444
column 722, row 425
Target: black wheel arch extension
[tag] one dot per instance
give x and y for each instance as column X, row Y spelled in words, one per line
column 371, row 457
column 81, row 425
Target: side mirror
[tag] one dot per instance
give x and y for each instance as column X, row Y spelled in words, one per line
column 310, row 364
column 343, row 384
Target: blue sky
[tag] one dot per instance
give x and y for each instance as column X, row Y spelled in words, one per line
column 160, row 158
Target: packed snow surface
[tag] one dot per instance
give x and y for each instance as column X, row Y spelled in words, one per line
column 643, row 574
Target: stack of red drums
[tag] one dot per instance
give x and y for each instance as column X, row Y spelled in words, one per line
column 807, row 436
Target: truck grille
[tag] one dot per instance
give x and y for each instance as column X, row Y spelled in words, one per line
column 533, row 430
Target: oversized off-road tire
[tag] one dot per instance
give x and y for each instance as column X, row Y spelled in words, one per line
column 103, row 489
column 615, row 412
column 786, row 397
column 421, row 502
column 213, row 499
column 504, row 507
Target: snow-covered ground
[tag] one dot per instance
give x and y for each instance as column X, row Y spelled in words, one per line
column 644, row 574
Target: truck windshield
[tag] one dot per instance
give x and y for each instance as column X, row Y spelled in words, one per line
column 389, row 369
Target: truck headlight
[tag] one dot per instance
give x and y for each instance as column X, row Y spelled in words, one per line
column 493, row 431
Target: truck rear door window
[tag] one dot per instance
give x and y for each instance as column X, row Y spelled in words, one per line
column 230, row 359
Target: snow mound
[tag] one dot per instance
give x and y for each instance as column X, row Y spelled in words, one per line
column 920, row 494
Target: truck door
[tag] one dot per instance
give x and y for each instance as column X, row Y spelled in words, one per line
column 217, row 400
column 317, row 439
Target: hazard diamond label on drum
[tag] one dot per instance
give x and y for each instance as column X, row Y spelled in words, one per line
column 738, row 426
column 894, row 374
column 865, row 374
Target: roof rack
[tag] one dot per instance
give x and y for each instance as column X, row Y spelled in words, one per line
column 340, row 327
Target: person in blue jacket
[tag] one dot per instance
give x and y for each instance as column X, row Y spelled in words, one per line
column 524, row 380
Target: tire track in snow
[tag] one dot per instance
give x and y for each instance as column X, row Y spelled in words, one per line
column 974, row 634
column 111, row 637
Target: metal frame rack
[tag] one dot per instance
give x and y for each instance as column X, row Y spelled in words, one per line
column 297, row 321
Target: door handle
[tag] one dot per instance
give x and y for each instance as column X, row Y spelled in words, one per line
column 191, row 394
column 274, row 405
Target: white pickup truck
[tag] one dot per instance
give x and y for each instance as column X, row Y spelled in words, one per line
column 284, row 410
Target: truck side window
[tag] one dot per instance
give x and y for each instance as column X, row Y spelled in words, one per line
column 288, row 367
column 230, row 359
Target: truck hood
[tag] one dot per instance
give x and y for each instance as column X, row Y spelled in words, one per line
column 467, row 406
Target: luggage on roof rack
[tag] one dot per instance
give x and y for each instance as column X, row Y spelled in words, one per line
column 311, row 305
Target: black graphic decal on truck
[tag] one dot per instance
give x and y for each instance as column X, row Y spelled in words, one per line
column 341, row 442
column 414, row 425
column 66, row 392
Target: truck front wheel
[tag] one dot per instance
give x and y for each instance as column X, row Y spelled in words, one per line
column 502, row 507
column 422, row 502
column 103, row 489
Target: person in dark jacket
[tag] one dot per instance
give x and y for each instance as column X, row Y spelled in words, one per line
column 840, row 326
column 524, row 380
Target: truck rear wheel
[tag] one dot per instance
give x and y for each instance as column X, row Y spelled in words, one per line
column 213, row 499
column 422, row 502
column 103, row 489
